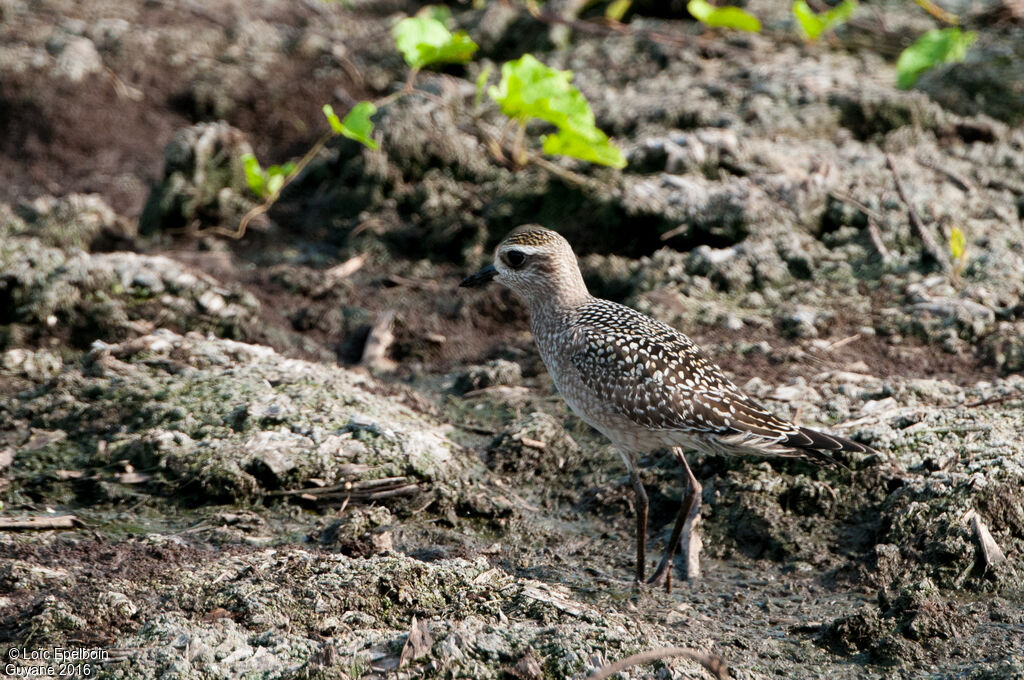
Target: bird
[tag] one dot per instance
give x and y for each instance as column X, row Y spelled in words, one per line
column 641, row 383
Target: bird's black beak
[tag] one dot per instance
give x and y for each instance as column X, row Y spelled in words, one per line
column 482, row 277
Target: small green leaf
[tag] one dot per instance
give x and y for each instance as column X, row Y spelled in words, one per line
column 424, row 40
column 723, row 17
column 935, row 47
column 839, row 14
column 274, row 184
column 595, row 150
column 253, row 175
column 813, row 24
column 481, row 84
column 617, row 9
column 810, row 23
column 275, row 176
column 358, row 126
column 957, row 243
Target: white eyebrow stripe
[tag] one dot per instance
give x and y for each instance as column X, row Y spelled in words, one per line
column 527, row 250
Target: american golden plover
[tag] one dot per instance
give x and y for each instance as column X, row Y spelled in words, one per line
column 641, row 383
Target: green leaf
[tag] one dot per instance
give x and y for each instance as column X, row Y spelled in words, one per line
column 276, row 175
column 274, row 183
column 357, row 124
column 425, row 40
column 957, row 243
column 530, row 89
column 600, row 150
column 617, row 9
column 810, row 23
column 813, row 24
column 723, row 17
column 935, row 47
column 254, row 175
column 839, row 14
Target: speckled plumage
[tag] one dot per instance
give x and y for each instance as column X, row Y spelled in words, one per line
column 530, row 236
column 638, row 381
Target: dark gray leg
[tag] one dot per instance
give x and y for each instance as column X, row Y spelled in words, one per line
column 641, row 525
column 686, row 526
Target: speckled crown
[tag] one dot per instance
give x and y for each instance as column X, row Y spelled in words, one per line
column 531, row 235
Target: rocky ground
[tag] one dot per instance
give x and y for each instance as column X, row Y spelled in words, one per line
column 251, row 501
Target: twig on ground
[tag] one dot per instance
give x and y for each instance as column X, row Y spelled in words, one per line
column 846, row 198
column 713, row 664
column 378, row 341
column 477, row 429
column 557, row 170
column 346, row 268
column 338, row 274
column 991, row 553
column 123, row 89
column 996, row 400
column 39, row 523
column 957, row 179
column 942, row 15
column 350, row 488
column 675, row 231
column 875, row 234
column 842, row 342
column 927, row 240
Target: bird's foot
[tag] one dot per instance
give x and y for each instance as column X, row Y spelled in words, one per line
column 689, row 549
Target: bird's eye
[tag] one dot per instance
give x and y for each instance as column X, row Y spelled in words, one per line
column 515, row 258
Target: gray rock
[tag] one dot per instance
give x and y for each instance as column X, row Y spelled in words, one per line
column 72, row 221
column 111, row 296
column 203, row 181
column 496, row 372
column 802, row 322
column 77, row 58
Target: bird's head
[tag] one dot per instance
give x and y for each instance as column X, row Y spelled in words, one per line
column 537, row 264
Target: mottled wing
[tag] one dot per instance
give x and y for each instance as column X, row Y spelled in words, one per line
column 658, row 378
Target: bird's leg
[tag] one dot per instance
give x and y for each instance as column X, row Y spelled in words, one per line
column 687, row 523
column 641, row 524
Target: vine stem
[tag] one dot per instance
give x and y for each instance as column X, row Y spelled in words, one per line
column 269, row 201
column 939, row 13
column 518, row 153
column 557, row 170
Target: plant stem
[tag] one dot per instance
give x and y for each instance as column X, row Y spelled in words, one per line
column 939, row 13
column 518, row 153
column 269, row 201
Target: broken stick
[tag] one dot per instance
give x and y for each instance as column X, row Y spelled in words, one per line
column 39, row 523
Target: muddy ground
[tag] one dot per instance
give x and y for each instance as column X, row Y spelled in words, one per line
column 251, row 501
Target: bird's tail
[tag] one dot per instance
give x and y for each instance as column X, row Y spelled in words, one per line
column 821, row 446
